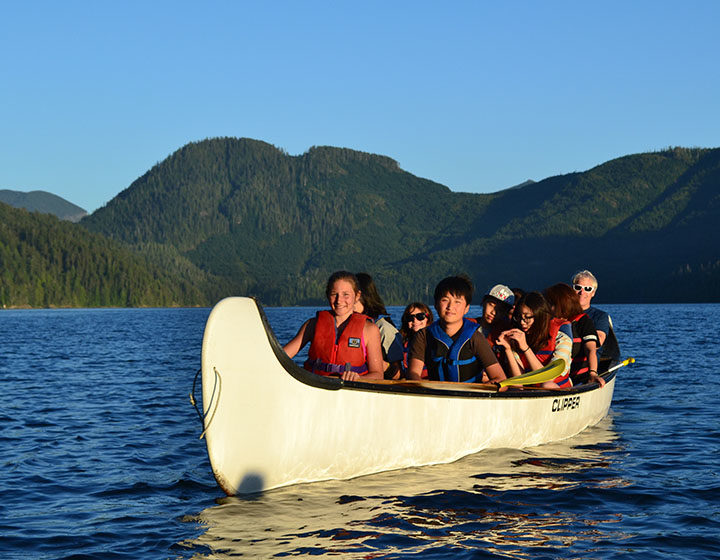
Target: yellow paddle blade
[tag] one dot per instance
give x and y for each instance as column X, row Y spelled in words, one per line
column 547, row 373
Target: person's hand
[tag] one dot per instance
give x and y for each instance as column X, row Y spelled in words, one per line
column 518, row 336
column 350, row 376
column 596, row 378
column 503, row 341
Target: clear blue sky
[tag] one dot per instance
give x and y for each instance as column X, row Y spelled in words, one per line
column 476, row 95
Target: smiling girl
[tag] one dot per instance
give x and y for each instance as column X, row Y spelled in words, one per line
column 416, row 317
column 342, row 342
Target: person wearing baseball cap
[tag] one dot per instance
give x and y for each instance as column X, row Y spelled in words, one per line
column 496, row 305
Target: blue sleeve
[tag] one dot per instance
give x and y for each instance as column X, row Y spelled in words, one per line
column 601, row 320
column 567, row 329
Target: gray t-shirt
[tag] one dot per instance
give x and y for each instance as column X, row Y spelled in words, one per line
column 391, row 339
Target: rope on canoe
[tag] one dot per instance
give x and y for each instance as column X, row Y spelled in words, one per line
column 213, row 399
column 192, row 396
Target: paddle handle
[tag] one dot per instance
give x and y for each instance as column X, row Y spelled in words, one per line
column 625, row 362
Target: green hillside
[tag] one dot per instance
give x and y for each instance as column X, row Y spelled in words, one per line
column 233, row 204
column 46, row 262
column 275, row 225
column 45, row 202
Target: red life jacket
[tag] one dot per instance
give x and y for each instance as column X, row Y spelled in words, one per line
column 545, row 354
column 332, row 354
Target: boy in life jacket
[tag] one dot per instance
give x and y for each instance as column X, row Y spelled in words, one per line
column 453, row 348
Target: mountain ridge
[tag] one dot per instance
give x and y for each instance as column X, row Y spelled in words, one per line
column 237, row 216
column 276, row 225
column 44, row 202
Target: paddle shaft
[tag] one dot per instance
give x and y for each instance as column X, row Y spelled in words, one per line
column 621, row 364
column 446, row 385
column 541, row 375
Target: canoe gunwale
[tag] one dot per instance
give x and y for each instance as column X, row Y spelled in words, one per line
column 335, row 383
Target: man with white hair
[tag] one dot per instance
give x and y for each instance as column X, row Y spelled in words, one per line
column 585, row 284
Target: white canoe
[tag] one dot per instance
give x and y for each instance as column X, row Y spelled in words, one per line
column 270, row 423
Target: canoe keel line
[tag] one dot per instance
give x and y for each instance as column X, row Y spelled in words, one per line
column 269, row 423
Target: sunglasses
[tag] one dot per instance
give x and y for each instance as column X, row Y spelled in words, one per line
column 526, row 318
column 417, row 316
column 579, row 288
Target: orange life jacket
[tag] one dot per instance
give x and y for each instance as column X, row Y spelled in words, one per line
column 332, row 353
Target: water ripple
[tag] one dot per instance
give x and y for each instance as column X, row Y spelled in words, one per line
column 101, row 459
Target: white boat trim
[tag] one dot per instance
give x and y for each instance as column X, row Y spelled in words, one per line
column 270, row 423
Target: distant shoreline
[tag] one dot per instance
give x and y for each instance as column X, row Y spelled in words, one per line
column 58, row 307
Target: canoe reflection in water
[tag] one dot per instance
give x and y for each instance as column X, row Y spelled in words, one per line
column 502, row 501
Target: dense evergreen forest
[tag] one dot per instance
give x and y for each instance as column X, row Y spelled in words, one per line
column 238, row 216
column 275, row 225
column 45, row 262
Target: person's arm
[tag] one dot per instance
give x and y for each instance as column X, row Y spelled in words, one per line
column 303, row 336
column 512, row 358
column 495, row 373
column 591, row 352
column 373, row 346
column 415, row 367
column 601, row 337
column 601, row 322
column 591, row 349
column 416, row 355
column 487, row 358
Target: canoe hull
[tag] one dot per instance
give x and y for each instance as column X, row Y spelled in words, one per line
column 269, row 423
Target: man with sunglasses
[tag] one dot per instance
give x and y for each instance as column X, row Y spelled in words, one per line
column 585, row 284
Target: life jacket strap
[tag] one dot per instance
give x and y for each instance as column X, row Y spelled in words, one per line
column 318, row 365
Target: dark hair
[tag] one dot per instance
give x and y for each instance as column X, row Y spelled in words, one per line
column 563, row 300
column 341, row 275
column 404, row 330
column 373, row 304
column 501, row 306
column 539, row 332
column 518, row 293
column 455, row 286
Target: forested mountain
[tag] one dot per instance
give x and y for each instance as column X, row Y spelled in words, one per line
column 46, row 262
column 275, row 225
column 45, row 202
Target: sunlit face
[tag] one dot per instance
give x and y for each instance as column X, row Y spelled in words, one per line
column 414, row 323
column 585, row 290
column 451, row 308
column 342, row 298
column 526, row 318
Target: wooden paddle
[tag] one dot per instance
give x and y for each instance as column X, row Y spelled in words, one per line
column 547, row 373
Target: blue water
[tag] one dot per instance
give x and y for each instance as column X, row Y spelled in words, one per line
column 101, row 458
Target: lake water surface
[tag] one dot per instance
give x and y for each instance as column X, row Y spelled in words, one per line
column 101, row 458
